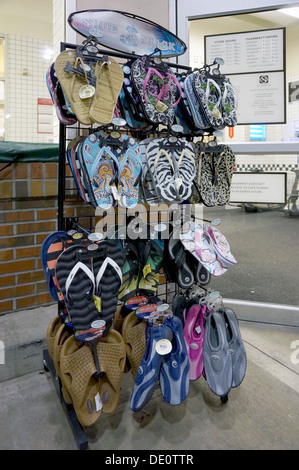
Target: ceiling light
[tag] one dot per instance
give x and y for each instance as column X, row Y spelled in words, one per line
column 290, row 11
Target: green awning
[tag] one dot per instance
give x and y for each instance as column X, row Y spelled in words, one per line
column 13, row 152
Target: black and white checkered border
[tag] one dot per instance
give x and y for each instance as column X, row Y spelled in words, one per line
column 266, row 167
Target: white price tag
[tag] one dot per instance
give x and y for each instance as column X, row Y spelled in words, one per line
column 163, row 346
column 98, row 402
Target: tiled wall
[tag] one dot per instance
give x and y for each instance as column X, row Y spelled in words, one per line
column 25, row 83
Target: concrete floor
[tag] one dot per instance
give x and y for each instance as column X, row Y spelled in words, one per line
column 261, row 414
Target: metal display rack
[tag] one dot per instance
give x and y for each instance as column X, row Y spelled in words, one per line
column 67, row 223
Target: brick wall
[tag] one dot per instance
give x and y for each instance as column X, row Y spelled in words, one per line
column 28, row 214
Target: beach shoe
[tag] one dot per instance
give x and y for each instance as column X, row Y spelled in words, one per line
column 93, row 393
column 236, row 345
column 111, row 354
column 52, row 329
column 175, row 370
column 217, row 358
column 194, row 337
column 61, row 336
column 78, row 374
column 147, row 378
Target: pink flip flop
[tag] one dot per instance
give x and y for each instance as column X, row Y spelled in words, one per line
column 194, row 337
column 221, row 244
column 203, row 245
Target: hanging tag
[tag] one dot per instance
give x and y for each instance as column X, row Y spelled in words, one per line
column 86, row 91
column 97, row 301
column 98, row 324
column 161, row 107
column 162, row 308
column 163, row 346
column 96, row 236
column 98, row 402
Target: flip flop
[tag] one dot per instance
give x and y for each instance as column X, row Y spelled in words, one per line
column 204, row 247
column 184, row 158
column 175, row 370
column 224, row 164
column 108, row 261
column 75, row 167
column 130, row 102
column 64, row 116
column 177, row 254
column 215, row 266
column 133, row 333
column 194, row 337
column 157, row 90
column 77, row 284
column 129, row 173
column 109, row 81
column 209, row 96
column 162, row 170
column 51, row 239
column 72, row 84
column 221, row 244
column 148, row 194
column 199, row 118
column 229, row 101
column 99, row 164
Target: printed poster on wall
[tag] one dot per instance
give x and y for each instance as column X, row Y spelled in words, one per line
column 254, row 61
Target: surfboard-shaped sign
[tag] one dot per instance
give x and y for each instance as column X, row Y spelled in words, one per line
column 127, row 33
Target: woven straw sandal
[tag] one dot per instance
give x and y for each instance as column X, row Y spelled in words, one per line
column 110, row 78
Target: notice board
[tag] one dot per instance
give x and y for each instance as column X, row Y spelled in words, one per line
column 254, row 61
column 261, row 187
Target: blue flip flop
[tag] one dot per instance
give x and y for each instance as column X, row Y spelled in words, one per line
column 175, row 370
column 54, row 237
column 99, row 164
column 129, row 173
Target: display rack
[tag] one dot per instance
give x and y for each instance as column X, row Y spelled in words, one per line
column 68, row 223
